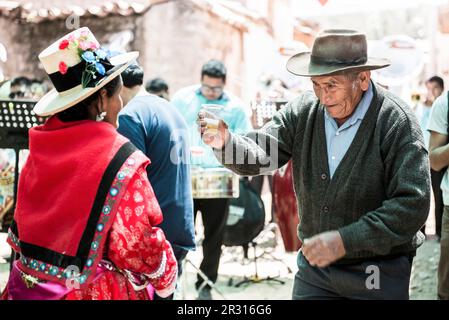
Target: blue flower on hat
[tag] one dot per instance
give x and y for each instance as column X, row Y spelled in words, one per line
column 101, row 54
column 91, row 53
column 89, row 56
column 100, row 68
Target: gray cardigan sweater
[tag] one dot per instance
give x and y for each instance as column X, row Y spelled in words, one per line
column 379, row 196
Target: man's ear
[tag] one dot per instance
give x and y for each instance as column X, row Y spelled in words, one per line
column 364, row 78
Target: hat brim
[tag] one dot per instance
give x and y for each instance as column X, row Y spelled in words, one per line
column 300, row 65
column 54, row 102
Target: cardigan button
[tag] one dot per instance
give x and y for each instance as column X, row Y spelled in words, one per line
column 325, row 209
column 323, row 176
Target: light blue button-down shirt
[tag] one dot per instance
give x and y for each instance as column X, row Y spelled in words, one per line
column 338, row 139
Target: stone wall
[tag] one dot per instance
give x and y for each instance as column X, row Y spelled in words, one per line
column 180, row 39
column 24, row 42
column 174, row 40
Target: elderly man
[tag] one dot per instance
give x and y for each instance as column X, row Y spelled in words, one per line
column 361, row 172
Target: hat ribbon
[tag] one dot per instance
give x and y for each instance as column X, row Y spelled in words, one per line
column 333, row 61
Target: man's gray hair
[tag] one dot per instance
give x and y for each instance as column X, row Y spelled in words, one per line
column 351, row 75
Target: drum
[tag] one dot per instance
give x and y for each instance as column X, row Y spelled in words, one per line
column 285, row 208
column 212, row 183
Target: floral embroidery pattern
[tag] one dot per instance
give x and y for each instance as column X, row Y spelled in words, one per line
column 121, row 179
column 134, row 245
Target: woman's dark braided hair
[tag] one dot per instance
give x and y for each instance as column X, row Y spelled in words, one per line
column 80, row 110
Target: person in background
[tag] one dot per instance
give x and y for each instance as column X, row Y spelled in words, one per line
column 438, row 127
column 159, row 87
column 435, row 87
column 37, row 89
column 214, row 212
column 154, row 126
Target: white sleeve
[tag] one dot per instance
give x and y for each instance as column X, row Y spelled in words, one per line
column 438, row 116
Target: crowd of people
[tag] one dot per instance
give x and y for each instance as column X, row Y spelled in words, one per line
column 23, row 88
column 109, row 174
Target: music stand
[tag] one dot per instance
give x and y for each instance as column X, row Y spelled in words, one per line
column 264, row 111
column 16, row 118
column 255, row 278
column 206, row 281
column 273, row 227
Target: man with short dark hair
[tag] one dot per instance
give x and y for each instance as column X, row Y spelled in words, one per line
column 439, row 160
column 214, row 212
column 435, row 87
column 360, row 171
column 159, row 87
column 154, row 126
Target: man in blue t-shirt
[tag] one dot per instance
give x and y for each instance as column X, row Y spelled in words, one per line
column 154, row 126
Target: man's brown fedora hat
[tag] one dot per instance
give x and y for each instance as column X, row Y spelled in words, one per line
column 333, row 52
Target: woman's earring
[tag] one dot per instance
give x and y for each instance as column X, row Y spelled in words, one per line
column 100, row 117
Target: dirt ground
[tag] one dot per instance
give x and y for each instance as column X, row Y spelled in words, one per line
column 275, row 263
column 423, row 283
column 281, row 266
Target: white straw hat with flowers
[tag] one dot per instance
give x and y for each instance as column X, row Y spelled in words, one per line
column 78, row 67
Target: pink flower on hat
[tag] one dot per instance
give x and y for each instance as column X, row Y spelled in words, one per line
column 92, row 45
column 63, row 67
column 83, row 45
column 63, row 44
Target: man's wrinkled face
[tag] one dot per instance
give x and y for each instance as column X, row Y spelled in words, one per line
column 340, row 94
column 212, row 88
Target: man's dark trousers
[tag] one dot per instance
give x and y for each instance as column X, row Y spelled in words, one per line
column 214, row 213
column 386, row 279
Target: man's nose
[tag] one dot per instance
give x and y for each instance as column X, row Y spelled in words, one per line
column 325, row 97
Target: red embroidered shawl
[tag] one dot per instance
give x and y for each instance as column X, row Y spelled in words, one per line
column 66, row 197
